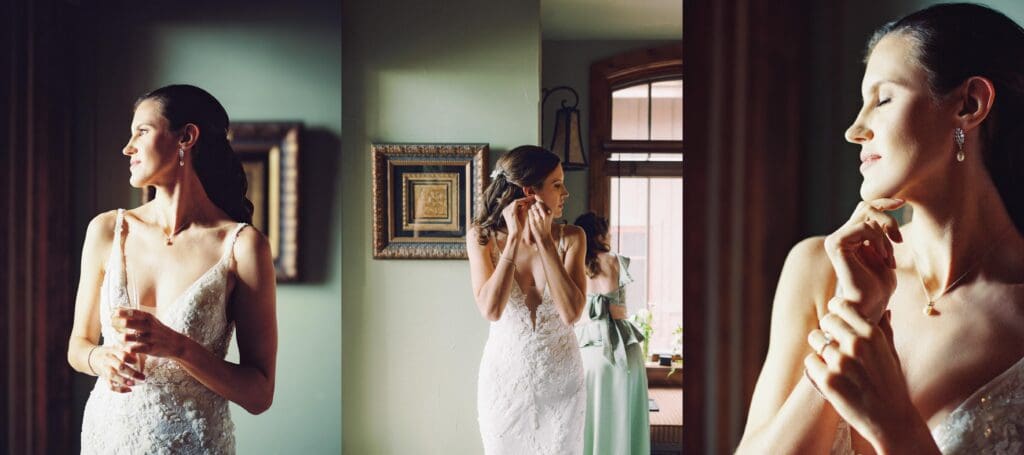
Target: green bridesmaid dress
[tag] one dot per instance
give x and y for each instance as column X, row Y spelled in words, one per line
column 617, row 419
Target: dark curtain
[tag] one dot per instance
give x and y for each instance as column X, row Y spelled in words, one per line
column 744, row 64
column 36, row 289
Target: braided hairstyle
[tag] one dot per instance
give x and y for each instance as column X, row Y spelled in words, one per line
column 596, row 228
column 523, row 166
column 214, row 161
column 956, row 41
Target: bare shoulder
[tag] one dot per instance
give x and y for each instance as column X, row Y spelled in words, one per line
column 251, row 245
column 101, row 228
column 807, row 272
column 473, row 238
column 574, row 235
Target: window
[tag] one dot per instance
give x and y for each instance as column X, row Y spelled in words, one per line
column 636, row 177
column 646, row 225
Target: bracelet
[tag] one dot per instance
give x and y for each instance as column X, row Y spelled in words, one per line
column 510, row 261
column 89, row 360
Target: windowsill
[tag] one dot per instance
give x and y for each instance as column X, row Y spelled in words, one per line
column 656, row 376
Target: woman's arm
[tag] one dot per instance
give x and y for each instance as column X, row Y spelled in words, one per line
column 250, row 383
column 84, row 353
column 492, row 283
column 566, row 278
column 787, row 414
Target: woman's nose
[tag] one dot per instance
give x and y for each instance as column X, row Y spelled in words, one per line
column 857, row 133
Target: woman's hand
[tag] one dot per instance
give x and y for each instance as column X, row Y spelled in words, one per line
column 515, row 217
column 539, row 222
column 856, row 368
column 117, row 366
column 143, row 333
column 861, row 254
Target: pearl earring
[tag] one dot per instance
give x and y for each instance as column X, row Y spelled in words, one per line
column 958, row 137
column 181, row 157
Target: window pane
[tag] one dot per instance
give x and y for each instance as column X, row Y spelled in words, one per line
column 629, row 113
column 667, row 110
column 646, row 225
column 628, row 227
column 665, row 288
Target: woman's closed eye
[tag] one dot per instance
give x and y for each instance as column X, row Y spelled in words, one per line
column 883, row 102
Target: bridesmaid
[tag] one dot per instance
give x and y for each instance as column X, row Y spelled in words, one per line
column 617, row 411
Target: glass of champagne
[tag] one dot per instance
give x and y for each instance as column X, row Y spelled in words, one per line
column 135, row 304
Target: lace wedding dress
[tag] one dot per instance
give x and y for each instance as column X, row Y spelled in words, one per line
column 170, row 412
column 990, row 421
column 531, row 397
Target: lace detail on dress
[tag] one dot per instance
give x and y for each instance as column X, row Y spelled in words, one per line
column 990, row 421
column 531, row 397
column 171, row 412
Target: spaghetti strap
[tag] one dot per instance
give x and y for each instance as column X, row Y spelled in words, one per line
column 232, row 238
column 561, row 240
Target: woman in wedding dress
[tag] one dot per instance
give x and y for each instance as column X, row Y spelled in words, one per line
column 166, row 283
column 910, row 339
column 528, row 280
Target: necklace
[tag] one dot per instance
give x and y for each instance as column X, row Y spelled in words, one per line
column 170, row 237
column 929, row 309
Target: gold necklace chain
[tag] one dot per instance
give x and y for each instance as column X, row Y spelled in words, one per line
column 929, row 309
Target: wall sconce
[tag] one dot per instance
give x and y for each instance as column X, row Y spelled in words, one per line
column 567, row 140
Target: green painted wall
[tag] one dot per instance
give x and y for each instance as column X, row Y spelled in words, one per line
column 263, row 62
column 567, row 62
column 455, row 71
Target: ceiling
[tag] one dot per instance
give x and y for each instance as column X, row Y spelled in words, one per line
column 611, row 19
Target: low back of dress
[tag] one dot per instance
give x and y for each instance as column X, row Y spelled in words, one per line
column 170, row 412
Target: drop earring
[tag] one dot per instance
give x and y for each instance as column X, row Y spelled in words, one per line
column 181, row 157
column 958, row 137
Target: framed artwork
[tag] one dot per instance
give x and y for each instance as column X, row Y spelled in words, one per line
column 269, row 152
column 425, row 197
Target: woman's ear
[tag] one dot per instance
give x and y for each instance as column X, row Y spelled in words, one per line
column 977, row 97
column 529, row 191
column 189, row 136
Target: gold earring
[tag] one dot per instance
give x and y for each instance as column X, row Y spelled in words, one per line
column 181, row 157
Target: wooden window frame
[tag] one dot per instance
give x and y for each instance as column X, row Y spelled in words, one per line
column 629, row 68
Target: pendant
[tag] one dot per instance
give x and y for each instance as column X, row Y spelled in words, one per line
column 929, row 309
column 169, row 241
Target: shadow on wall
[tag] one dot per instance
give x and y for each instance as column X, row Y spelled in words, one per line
column 317, row 200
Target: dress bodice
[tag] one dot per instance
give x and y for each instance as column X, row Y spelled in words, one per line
column 171, row 411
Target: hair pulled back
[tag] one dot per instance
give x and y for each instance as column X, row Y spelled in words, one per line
column 956, row 41
column 521, row 167
column 596, row 228
column 215, row 163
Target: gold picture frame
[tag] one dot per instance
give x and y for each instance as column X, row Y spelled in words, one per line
column 269, row 152
column 425, row 197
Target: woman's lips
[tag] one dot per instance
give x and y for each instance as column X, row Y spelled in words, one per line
column 133, row 163
column 868, row 161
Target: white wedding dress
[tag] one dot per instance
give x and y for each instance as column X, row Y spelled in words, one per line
column 990, row 421
column 170, row 412
column 531, row 395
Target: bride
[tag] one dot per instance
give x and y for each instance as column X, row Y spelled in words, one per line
column 528, row 280
column 166, row 283
column 910, row 339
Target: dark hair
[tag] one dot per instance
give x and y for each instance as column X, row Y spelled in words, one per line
column 956, row 41
column 595, row 226
column 523, row 166
column 215, row 163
